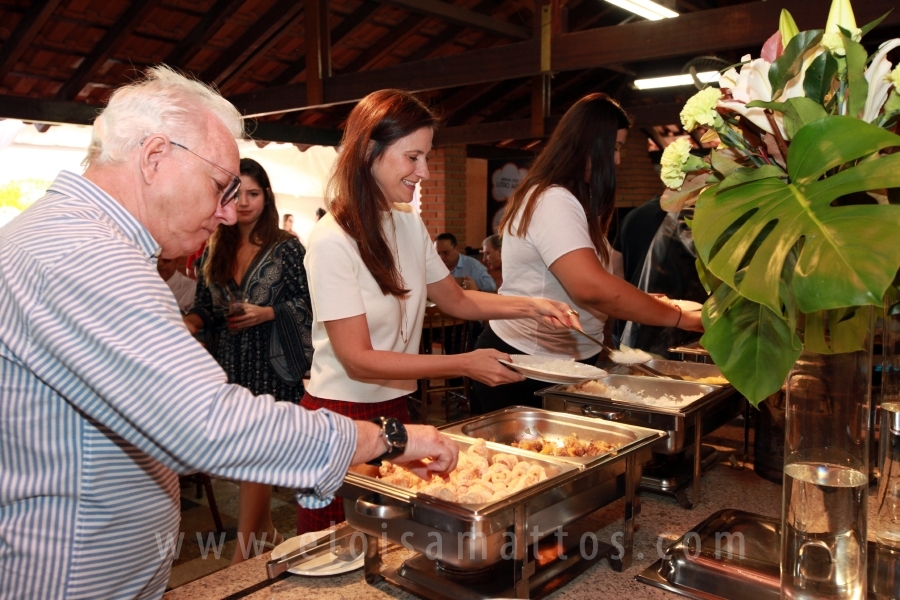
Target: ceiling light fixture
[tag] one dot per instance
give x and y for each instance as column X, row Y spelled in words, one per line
column 674, row 80
column 645, row 8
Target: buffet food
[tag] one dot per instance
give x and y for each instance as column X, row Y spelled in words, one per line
column 625, row 394
column 569, row 446
column 476, row 479
column 629, row 356
column 712, row 380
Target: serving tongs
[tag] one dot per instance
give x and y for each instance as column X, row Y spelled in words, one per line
column 341, row 542
column 638, row 366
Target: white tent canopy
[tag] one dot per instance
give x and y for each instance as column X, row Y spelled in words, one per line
column 298, row 178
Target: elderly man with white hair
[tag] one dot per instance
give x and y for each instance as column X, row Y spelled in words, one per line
column 106, row 397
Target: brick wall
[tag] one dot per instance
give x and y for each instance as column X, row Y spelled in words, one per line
column 637, row 180
column 444, row 193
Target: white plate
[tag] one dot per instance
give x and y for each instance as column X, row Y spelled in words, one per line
column 685, row 305
column 320, row 566
column 530, row 367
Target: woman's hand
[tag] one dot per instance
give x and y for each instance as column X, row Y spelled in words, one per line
column 691, row 321
column 481, row 365
column 557, row 315
column 193, row 323
column 253, row 315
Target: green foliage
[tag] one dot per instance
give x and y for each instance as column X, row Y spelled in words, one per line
column 751, row 227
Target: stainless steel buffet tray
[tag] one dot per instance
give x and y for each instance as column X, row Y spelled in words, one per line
column 470, row 537
column 694, row 370
column 518, row 423
column 718, row 405
column 735, row 555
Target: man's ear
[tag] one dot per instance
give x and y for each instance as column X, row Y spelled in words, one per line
column 152, row 151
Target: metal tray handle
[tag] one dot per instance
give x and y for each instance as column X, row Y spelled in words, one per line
column 382, row 511
column 599, row 413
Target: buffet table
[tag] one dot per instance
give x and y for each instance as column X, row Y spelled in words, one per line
column 661, row 521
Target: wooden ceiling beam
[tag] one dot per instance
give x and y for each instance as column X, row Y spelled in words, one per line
column 202, row 32
column 463, row 17
column 519, row 129
column 134, row 15
column 318, row 49
column 392, row 37
column 255, row 41
column 745, row 25
column 350, row 23
column 27, row 29
column 740, row 26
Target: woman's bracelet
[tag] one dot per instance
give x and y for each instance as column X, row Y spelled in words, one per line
column 678, row 322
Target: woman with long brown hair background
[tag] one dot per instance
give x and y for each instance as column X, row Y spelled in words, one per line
column 555, row 245
column 371, row 264
column 266, row 347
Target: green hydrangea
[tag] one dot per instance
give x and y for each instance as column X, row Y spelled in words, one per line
column 701, row 109
column 674, row 158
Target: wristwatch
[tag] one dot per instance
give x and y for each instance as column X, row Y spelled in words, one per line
column 393, row 434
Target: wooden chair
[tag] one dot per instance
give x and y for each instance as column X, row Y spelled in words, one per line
column 443, row 334
column 203, row 482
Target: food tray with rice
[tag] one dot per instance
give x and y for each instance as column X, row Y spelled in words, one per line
column 665, row 404
column 580, row 440
column 689, row 371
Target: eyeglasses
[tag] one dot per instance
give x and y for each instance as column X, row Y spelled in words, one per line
column 231, row 192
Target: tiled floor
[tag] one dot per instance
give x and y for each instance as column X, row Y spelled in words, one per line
column 203, row 551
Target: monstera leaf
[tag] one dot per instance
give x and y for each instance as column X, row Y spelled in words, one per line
column 850, row 253
column 786, row 254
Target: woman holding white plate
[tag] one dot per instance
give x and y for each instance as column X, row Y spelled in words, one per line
column 554, row 245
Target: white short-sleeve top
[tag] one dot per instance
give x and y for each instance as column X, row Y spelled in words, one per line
column 341, row 286
column 558, row 226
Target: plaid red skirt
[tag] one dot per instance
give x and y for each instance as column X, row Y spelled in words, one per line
column 317, row 519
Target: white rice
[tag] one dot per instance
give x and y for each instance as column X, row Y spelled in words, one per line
column 629, row 356
column 624, row 394
column 562, row 367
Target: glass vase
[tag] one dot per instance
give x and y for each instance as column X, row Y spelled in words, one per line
column 826, row 476
column 886, row 521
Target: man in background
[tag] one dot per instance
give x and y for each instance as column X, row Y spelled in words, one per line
column 491, row 252
column 183, row 288
column 468, row 272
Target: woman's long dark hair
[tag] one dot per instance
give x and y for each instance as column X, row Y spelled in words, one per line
column 224, row 242
column 379, row 120
column 586, row 135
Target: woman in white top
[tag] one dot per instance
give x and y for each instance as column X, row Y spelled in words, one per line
column 554, row 245
column 371, row 265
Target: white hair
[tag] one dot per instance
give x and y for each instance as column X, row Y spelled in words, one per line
column 164, row 101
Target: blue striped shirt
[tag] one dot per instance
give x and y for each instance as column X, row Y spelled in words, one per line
column 105, row 398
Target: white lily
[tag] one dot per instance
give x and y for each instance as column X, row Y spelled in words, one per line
column 751, row 83
column 879, row 83
column 840, row 15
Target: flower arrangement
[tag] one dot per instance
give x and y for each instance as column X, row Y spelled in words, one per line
column 787, row 258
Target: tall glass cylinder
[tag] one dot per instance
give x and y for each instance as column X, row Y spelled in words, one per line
column 826, row 474
column 886, row 521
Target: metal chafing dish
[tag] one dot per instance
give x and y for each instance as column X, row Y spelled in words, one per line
column 521, row 423
column 671, row 472
column 735, row 555
column 483, row 550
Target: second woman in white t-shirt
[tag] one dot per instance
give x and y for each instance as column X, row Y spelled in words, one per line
column 371, row 264
column 554, row 245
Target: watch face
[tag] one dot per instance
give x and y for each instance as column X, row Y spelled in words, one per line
column 395, row 432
